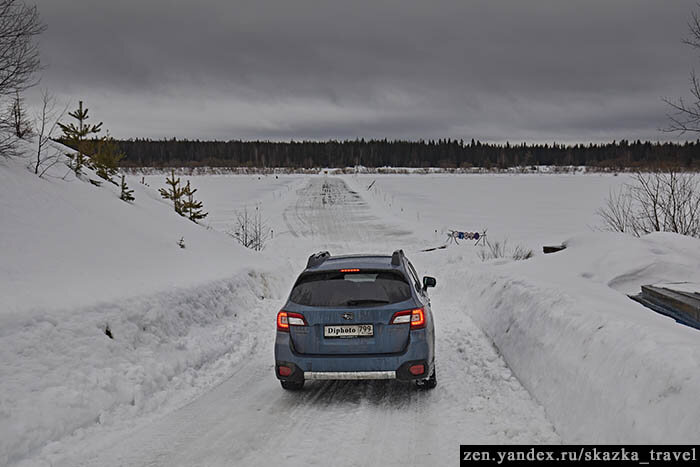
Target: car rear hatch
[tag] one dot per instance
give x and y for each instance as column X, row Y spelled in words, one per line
column 349, row 312
column 350, row 331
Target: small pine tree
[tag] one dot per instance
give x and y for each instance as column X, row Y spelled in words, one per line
column 105, row 156
column 174, row 193
column 75, row 136
column 191, row 207
column 126, row 194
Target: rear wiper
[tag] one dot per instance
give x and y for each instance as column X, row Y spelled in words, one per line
column 366, row 302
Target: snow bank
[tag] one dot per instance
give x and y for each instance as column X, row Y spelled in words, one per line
column 60, row 371
column 75, row 261
column 606, row 369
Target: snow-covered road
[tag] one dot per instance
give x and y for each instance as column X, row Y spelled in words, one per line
column 249, row 420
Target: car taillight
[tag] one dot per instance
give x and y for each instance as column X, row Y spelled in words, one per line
column 288, row 318
column 416, row 317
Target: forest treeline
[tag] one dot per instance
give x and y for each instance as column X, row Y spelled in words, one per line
column 445, row 153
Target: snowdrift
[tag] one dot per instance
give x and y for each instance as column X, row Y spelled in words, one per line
column 77, row 261
column 606, row 369
column 62, row 373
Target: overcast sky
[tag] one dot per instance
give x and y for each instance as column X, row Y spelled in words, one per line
column 494, row 70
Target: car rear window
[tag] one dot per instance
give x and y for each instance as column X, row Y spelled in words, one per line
column 348, row 289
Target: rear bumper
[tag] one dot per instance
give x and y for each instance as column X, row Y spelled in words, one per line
column 325, row 375
column 355, row 367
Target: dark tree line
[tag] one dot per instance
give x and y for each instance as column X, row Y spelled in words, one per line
column 377, row 153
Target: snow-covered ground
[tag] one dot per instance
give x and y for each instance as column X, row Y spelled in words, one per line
column 188, row 378
column 606, row 368
column 528, row 209
column 77, row 260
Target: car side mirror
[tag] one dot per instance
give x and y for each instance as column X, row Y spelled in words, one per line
column 428, row 282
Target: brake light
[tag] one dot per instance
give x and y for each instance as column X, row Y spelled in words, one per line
column 288, row 318
column 416, row 317
column 349, row 270
column 415, row 370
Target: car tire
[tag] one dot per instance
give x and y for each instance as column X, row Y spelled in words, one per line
column 429, row 383
column 292, row 385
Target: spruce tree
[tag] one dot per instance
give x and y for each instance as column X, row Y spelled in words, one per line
column 105, row 157
column 126, row 193
column 76, row 136
column 174, row 193
column 191, row 207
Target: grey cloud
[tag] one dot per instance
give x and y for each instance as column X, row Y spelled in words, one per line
column 537, row 70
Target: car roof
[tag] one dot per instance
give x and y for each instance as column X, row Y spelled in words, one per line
column 355, row 261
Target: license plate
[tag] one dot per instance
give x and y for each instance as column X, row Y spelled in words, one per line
column 349, row 330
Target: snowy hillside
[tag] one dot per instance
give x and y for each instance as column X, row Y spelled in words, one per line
column 68, row 243
column 76, row 261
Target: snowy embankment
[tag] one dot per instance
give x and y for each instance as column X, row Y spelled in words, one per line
column 606, row 369
column 76, row 262
column 61, row 372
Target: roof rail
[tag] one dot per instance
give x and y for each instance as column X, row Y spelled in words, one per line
column 396, row 258
column 317, row 259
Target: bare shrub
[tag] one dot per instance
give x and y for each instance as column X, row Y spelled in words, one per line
column 250, row 229
column 499, row 249
column 521, row 253
column 18, row 120
column 492, row 250
column 19, row 54
column 48, row 153
column 19, row 61
column 685, row 116
column 661, row 201
column 617, row 213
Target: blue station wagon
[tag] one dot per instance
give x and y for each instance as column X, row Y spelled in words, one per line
column 357, row 317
